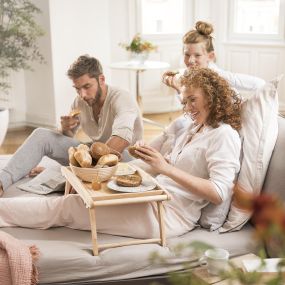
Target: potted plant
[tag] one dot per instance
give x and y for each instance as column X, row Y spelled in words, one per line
column 139, row 48
column 18, row 44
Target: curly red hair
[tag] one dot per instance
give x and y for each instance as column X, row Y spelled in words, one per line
column 224, row 104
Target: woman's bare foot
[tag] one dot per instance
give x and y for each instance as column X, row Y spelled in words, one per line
column 35, row 171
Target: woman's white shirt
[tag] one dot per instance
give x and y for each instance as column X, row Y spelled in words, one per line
column 238, row 81
column 212, row 154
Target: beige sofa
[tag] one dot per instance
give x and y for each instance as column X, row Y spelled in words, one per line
column 66, row 254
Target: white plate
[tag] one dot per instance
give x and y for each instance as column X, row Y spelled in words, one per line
column 146, row 185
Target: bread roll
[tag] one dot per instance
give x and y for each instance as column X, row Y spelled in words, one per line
column 83, row 157
column 71, row 157
column 108, row 159
column 83, row 147
column 131, row 150
column 132, row 180
column 99, row 149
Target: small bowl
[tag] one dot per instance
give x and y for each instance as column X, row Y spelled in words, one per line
column 89, row 174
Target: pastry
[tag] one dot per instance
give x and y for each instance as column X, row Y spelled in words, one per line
column 99, row 149
column 132, row 180
column 108, row 159
column 132, row 152
column 74, row 112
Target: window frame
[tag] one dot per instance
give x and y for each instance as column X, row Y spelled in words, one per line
column 165, row 36
column 254, row 36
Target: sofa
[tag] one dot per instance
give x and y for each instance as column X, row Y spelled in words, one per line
column 66, row 254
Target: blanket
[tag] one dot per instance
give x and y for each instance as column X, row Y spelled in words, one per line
column 17, row 261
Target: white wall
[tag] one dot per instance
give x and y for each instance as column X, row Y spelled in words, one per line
column 40, row 101
column 75, row 27
column 39, row 98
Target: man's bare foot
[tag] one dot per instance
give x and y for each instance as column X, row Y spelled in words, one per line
column 1, row 190
column 35, row 171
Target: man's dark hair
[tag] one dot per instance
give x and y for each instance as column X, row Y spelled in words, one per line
column 85, row 64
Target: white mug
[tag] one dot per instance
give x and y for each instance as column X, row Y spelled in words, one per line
column 216, row 260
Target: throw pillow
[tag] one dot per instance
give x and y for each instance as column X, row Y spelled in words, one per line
column 259, row 133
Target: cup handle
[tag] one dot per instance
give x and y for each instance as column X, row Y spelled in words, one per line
column 203, row 261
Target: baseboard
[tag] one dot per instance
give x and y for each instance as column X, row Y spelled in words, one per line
column 25, row 124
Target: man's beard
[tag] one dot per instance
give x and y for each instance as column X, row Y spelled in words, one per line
column 96, row 99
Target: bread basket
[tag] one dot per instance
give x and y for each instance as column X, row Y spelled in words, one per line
column 89, row 174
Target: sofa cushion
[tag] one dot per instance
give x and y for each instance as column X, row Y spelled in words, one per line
column 275, row 178
column 259, row 133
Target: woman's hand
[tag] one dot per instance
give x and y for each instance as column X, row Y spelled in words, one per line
column 152, row 157
column 167, row 78
column 171, row 79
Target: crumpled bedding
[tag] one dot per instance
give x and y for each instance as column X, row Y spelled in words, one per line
column 66, row 254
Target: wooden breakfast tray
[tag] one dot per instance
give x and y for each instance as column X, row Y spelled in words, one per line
column 107, row 197
column 93, row 198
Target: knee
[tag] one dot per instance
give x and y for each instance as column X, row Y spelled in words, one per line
column 42, row 134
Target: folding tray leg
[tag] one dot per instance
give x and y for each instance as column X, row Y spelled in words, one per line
column 161, row 223
column 93, row 231
column 67, row 188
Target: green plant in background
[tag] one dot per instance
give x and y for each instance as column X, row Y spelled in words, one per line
column 138, row 45
column 18, row 38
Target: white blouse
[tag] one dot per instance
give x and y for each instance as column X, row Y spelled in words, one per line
column 212, row 154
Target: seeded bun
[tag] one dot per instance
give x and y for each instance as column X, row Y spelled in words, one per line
column 132, row 152
column 99, row 149
column 132, row 180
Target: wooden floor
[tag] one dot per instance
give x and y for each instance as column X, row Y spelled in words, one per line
column 15, row 138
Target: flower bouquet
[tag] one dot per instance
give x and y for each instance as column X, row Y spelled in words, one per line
column 139, row 48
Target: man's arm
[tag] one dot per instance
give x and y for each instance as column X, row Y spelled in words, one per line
column 117, row 143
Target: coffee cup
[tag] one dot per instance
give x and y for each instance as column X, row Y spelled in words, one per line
column 216, row 260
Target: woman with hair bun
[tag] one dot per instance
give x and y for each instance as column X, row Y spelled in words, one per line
column 198, row 50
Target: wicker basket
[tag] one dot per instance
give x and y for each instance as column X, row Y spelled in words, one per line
column 89, row 174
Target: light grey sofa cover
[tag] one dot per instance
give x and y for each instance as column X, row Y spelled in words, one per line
column 66, row 254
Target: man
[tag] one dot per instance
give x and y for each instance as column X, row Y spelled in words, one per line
column 107, row 114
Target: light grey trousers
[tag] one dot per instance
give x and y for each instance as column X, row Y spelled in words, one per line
column 42, row 142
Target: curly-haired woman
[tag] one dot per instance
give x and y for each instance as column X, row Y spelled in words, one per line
column 198, row 50
column 200, row 168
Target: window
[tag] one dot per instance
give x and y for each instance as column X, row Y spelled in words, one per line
column 257, row 19
column 161, row 16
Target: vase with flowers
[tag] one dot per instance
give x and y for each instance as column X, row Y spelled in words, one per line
column 139, row 48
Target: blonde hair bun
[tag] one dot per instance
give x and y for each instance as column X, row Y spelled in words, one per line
column 204, row 28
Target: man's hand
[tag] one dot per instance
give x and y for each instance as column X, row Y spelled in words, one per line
column 68, row 124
